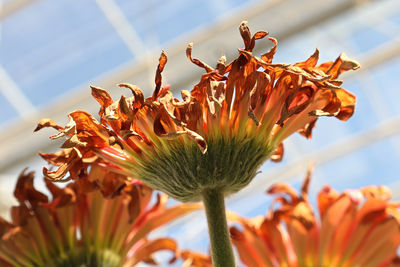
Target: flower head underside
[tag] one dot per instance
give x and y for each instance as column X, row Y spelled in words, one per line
column 217, row 135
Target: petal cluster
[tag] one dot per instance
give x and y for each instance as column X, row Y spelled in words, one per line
column 79, row 226
column 239, row 112
column 354, row 228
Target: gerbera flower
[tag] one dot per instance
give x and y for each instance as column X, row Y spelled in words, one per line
column 354, row 228
column 80, row 227
column 211, row 143
column 239, row 113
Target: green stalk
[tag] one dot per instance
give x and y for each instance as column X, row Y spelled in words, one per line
column 221, row 247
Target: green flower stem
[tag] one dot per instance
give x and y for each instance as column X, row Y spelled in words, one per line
column 221, row 247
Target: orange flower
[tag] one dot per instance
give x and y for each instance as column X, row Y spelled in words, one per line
column 239, row 113
column 80, row 227
column 355, row 228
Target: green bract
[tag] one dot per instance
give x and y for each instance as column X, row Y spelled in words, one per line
column 183, row 173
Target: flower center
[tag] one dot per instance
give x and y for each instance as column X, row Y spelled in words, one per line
column 88, row 257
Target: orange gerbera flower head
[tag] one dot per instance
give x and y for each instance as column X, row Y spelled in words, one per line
column 218, row 135
column 81, row 227
column 355, row 228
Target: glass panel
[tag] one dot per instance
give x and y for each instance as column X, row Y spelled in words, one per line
column 50, row 48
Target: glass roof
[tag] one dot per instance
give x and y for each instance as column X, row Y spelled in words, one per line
column 49, row 48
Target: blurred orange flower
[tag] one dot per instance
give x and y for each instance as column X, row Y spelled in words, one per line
column 80, row 227
column 354, row 228
column 196, row 259
column 238, row 113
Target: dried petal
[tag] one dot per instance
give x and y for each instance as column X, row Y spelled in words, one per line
column 137, row 93
column 161, row 64
column 43, row 123
column 195, row 61
column 103, row 97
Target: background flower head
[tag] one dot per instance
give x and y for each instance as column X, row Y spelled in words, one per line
column 79, row 226
column 354, row 228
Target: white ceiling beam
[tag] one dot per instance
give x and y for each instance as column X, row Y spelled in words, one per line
column 122, row 26
column 10, row 90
